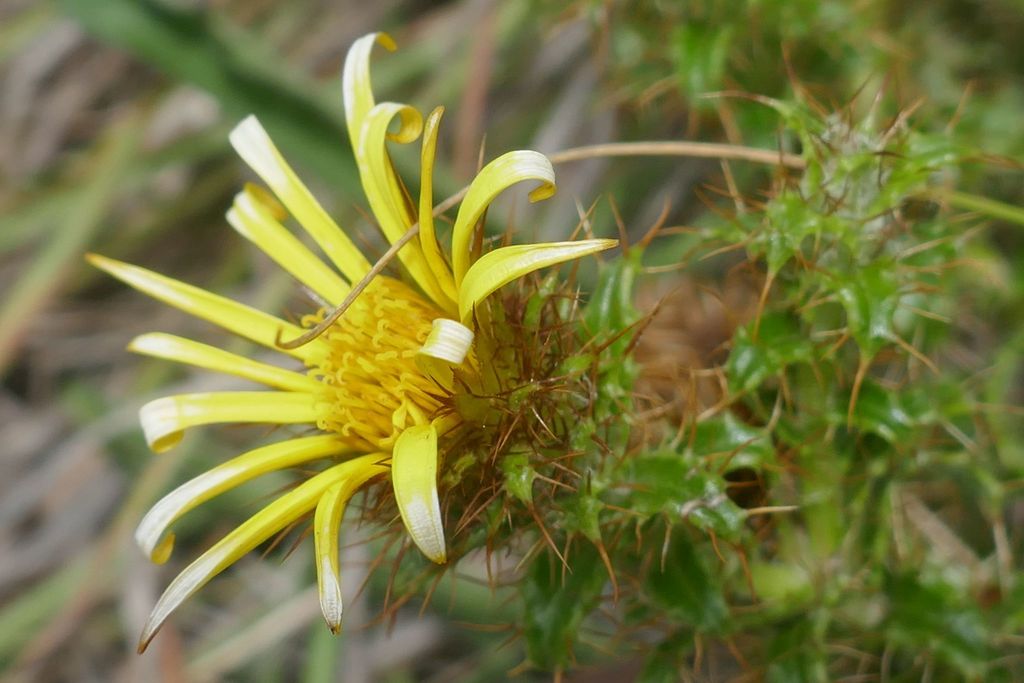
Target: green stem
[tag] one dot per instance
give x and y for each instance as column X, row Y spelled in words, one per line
column 984, row 205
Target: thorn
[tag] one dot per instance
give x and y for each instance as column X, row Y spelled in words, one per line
column 611, row 572
column 547, row 537
column 909, row 348
column 659, row 222
column 761, row 304
column 620, row 224
column 862, row 370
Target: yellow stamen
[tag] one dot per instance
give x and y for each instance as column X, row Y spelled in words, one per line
column 369, row 374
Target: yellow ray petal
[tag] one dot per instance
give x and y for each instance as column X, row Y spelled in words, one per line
column 368, row 129
column 235, row 317
column 384, row 192
column 181, row 350
column 501, row 266
column 428, row 238
column 326, row 522
column 414, row 476
column 507, row 170
column 222, row 478
column 380, row 183
column 251, row 533
column 165, row 420
column 254, row 220
column 356, row 91
column 253, row 144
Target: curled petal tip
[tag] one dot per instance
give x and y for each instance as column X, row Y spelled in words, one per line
column 160, row 553
column 449, row 341
column 410, row 124
column 497, row 176
column 386, row 41
column 161, row 424
column 544, row 191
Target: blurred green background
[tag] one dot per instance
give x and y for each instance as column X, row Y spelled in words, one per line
column 113, row 138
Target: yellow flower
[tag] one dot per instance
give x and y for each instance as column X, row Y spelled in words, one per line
column 379, row 383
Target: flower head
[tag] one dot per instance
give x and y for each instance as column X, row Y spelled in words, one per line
column 382, row 384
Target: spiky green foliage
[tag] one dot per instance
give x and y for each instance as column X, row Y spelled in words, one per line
column 866, row 440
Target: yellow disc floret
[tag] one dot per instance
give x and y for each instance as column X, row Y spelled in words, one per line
column 372, row 388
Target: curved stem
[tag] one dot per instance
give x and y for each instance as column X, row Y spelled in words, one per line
column 701, row 150
column 983, row 205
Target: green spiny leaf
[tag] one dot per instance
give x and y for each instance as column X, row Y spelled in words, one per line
column 685, row 589
column 556, row 600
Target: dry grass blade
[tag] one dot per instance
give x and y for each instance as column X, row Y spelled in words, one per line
column 51, row 265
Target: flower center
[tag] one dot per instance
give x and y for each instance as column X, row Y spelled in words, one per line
column 372, row 387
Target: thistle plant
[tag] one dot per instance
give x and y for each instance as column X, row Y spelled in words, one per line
column 785, row 505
